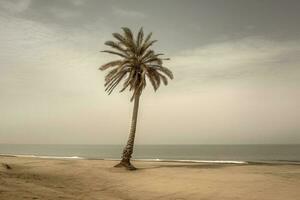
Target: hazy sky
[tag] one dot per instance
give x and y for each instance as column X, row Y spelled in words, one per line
column 236, row 65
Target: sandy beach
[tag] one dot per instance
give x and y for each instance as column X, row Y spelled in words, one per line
column 33, row 178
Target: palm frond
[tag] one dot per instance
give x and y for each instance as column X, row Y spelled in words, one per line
column 163, row 78
column 157, row 78
column 110, row 81
column 153, row 82
column 148, row 37
column 129, row 44
column 165, row 71
column 120, row 37
column 110, row 74
column 112, row 84
column 147, row 55
column 154, row 60
column 146, row 45
column 115, row 53
column 138, row 63
column 116, row 46
column 115, row 84
column 128, row 80
column 110, row 64
column 128, row 34
column 139, row 38
column 134, row 81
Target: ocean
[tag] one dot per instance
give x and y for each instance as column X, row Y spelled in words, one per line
column 183, row 153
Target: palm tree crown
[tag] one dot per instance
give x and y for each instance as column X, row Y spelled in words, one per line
column 137, row 62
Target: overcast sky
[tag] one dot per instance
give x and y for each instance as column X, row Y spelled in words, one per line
column 236, row 66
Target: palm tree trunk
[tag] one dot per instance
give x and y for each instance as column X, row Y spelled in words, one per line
column 128, row 149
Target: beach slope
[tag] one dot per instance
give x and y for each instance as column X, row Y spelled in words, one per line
column 33, row 178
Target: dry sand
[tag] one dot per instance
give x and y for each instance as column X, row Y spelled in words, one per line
column 32, row 178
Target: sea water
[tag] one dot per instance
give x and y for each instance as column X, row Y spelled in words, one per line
column 183, row 153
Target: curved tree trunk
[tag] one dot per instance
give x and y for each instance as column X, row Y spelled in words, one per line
column 128, row 149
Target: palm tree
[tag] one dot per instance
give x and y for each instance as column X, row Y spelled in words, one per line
column 137, row 62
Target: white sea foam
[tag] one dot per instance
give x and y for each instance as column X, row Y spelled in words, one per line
column 145, row 160
column 189, row 161
column 196, row 161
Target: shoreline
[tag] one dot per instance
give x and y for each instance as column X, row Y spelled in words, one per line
column 241, row 162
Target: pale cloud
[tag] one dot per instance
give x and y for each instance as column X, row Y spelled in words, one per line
column 16, row 6
column 64, row 13
column 78, row 2
column 237, row 58
column 45, row 55
column 128, row 13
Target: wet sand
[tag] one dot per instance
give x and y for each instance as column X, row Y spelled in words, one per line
column 33, row 178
